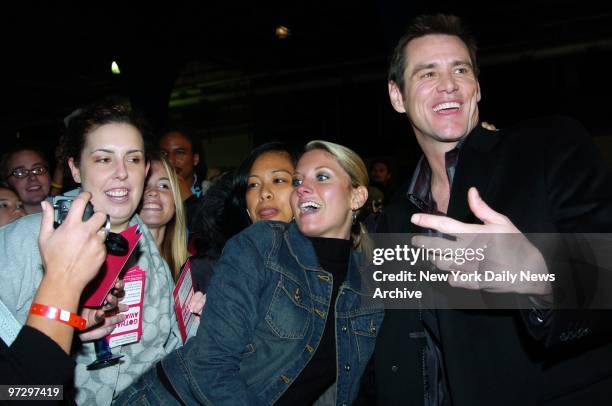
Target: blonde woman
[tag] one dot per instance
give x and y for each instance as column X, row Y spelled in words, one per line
column 285, row 318
column 163, row 213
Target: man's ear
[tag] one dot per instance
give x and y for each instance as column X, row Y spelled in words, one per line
column 478, row 90
column 74, row 170
column 196, row 159
column 396, row 97
column 147, row 168
column 359, row 198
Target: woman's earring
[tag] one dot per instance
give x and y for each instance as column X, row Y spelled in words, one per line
column 249, row 214
column 354, row 216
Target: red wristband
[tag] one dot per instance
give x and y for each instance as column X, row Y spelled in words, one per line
column 63, row 316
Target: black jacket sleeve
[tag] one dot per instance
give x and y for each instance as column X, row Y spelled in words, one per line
column 34, row 358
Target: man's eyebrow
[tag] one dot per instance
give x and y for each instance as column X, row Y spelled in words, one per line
column 460, row 62
column 422, row 66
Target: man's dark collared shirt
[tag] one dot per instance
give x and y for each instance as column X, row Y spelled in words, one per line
column 419, row 192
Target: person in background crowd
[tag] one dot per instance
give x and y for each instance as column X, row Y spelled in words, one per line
column 162, row 211
column 105, row 147
column 11, row 208
column 26, row 171
column 381, row 177
column 182, row 151
column 183, row 154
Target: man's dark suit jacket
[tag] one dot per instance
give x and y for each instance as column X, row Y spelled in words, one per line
column 546, row 176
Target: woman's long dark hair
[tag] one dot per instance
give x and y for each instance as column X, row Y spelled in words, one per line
column 241, row 180
column 222, row 213
column 217, row 217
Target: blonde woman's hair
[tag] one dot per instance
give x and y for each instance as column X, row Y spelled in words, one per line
column 357, row 171
column 174, row 246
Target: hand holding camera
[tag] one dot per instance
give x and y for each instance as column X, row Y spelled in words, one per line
column 115, row 243
column 73, row 254
column 76, row 248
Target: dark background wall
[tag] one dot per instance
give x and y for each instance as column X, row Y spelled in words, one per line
column 219, row 69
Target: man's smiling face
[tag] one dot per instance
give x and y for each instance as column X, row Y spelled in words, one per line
column 441, row 92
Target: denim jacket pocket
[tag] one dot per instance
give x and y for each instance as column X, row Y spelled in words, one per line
column 288, row 314
column 365, row 329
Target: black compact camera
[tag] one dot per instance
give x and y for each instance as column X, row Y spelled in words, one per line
column 116, row 244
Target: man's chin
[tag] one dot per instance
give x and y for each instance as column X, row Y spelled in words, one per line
column 450, row 138
column 453, row 134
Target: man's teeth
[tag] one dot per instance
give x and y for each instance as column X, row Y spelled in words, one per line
column 309, row 205
column 448, row 105
column 151, row 206
column 117, row 193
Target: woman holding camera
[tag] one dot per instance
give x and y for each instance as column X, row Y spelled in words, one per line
column 106, row 155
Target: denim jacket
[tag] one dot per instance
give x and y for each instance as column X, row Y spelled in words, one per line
column 264, row 317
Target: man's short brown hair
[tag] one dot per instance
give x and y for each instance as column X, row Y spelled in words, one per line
column 429, row 25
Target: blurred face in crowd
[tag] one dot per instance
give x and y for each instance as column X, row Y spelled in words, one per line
column 112, row 168
column 441, row 91
column 29, row 177
column 269, row 187
column 11, row 207
column 380, row 172
column 157, row 202
column 179, row 151
column 323, row 199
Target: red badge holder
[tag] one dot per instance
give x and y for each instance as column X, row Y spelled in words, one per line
column 96, row 291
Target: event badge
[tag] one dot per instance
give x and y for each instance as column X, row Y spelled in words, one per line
column 96, row 291
column 182, row 294
column 130, row 330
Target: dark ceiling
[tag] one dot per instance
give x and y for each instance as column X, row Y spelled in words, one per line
column 223, row 71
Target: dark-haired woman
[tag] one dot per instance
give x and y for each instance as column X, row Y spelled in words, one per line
column 106, row 156
column 259, row 190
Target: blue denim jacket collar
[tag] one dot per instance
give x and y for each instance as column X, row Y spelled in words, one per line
column 302, row 250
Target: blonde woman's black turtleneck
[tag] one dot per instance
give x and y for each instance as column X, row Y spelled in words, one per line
column 320, row 373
